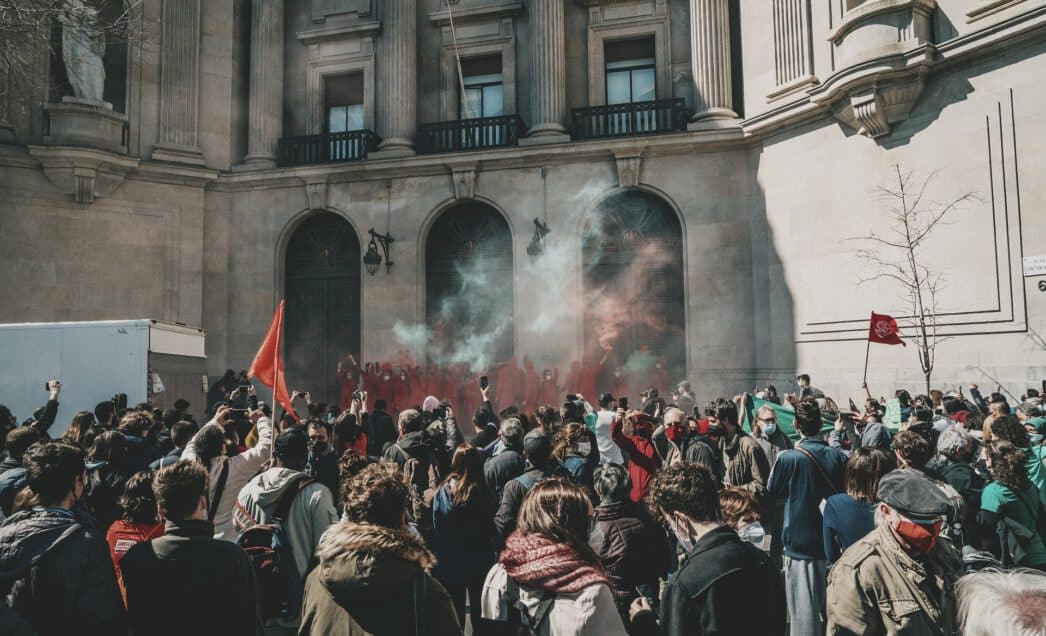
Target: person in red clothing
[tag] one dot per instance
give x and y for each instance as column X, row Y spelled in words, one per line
column 587, row 374
column 139, row 522
column 573, row 377
column 511, row 385
column 401, row 391
column 643, row 459
column 348, row 433
column 348, row 380
column 533, row 380
column 384, row 387
column 548, row 391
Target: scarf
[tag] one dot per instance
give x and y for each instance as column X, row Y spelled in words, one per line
column 540, row 562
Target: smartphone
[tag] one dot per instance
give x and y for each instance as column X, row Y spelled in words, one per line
column 483, row 382
column 47, row 386
column 622, row 403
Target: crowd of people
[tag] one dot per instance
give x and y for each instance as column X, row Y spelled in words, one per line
column 538, row 514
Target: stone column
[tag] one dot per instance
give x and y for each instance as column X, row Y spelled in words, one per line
column 399, row 78
column 266, row 96
column 180, row 83
column 710, row 60
column 548, row 89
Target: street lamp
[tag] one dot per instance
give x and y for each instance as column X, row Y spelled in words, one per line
column 372, row 259
column 537, row 244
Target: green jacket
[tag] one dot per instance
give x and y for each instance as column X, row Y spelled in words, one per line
column 365, row 584
column 877, row 588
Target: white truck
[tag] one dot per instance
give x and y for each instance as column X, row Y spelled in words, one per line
column 149, row 360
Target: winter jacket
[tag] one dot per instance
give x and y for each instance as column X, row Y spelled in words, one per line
column 324, row 468
column 381, row 431
column 797, row 480
column 366, row 583
column 463, row 537
column 12, row 481
column 846, row 521
column 773, row 445
column 311, row 513
column 59, row 573
column 140, row 453
column 214, row 581
column 172, row 457
column 122, row 536
column 590, row 612
column 416, row 446
column 503, row 468
column 877, row 588
column 874, row 435
column 104, row 488
column 724, row 586
column 744, row 463
column 512, row 498
column 643, row 459
column 632, row 548
column 242, row 468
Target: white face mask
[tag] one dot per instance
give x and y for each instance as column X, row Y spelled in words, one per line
column 769, row 428
column 683, row 538
column 752, row 533
column 584, row 448
column 387, row 377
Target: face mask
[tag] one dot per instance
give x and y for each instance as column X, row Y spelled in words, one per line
column 769, row 428
column 921, row 538
column 715, row 432
column 752, row 533
column 387, row 377
column 403, row 378
column 1035, row 438
column 584, row 448
column 683, row 538
column 319, row 448
column 675, row 433
column 548, row 376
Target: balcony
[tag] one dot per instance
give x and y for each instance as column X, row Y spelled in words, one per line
column 470, row 134
column 627, row 120
column 352, row 145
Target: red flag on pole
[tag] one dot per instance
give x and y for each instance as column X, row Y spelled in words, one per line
column 268, row 365
column 883, row 330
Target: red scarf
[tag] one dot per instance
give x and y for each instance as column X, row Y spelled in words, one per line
column 538, row 561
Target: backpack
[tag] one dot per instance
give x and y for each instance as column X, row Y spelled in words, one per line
column 421, row 492
column 523, row 622
column 280, row 585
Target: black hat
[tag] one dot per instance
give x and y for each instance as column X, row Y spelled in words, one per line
column 537, row 444
column 606, row 398
column 292, row 443
column 909, row 492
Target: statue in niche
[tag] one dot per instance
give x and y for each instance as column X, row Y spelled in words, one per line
column 83, row 46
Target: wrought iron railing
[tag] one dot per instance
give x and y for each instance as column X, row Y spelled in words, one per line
column 625, row 120
column 470, row 134
column 352, row 145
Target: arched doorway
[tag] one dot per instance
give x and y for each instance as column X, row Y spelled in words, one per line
column 322, row 290
column 468, row 286
column 632, row 254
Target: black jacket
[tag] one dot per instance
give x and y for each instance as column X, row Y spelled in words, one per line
column 486, row 437
column 725, row 586
column 104, row 488
column 140, row 453
column 632, row 547
column 188, row 582
column 59, row 574
column 503, row 468
column 512, row 498
column 381, row 431
column 12, row 480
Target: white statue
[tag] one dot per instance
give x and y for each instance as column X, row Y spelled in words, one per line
column 83, row 45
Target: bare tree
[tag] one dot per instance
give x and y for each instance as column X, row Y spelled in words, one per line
column 897, row 255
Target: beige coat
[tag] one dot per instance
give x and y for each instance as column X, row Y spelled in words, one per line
column 877, row 588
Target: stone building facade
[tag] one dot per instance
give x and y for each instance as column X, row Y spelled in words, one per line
column 729, row 147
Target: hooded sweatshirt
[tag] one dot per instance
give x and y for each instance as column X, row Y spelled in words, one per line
column 365, row 584
column 310, row 515
column 74, row 589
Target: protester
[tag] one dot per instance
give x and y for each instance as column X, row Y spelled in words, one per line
column 740, row 510
column 577, row 455
column 744, row 462
column 413, row 454
column 869, row 431
column 372, row 573
column 463, row 532
column 537, row 447
column 548, row 577
column 1030, row 415
column 1008, row 429
column 13, row 477
column 181, row 433
column 510, row 462
column 898, row 579
column 77, row 431
column 608, row 451
column 227, row 475
column 108, row 473
column 141, row 451
column 803, row 477
column 632, row 548
column 724, row 585
column 1010, row 508
column 56, row 568
column 955, row 447
column 643, row 458
column 304, row 507
column 348, row 431
column 323, row 458
column 685, row 445
column 1002, row 603
column 188, row 581
column 139, row 522
column 769, row 435
column 850, row 515
column 382, row 429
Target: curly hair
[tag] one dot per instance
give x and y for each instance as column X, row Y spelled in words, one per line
column 1008, row 429
column 738, row 504
column 351, row 463
column 1008, row 465
column 913, row 448
column 688, row 488
column 136, row 423
column 376, row 495
column 808, row 418
column 138, row 501
column 560, row 510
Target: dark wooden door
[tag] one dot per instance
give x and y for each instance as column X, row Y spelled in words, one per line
column 323, row 303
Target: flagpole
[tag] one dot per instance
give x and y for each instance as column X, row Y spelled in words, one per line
column 867, row 350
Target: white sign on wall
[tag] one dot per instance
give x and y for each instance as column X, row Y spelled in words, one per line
column 1035, row 265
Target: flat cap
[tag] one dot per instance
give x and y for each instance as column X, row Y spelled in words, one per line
column 537, row 444
column 909, row 492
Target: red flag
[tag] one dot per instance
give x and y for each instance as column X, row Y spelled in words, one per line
column 268, row 365
column 883, row 329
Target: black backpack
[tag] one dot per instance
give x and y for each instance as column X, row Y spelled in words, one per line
column 521, row 622
column 280, row 585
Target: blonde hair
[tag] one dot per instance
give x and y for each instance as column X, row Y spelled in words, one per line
column 1002, row 603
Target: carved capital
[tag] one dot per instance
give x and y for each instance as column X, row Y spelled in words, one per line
column 629, row 166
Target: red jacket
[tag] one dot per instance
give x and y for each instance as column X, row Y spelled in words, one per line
column 643, row 460
column 122, row 536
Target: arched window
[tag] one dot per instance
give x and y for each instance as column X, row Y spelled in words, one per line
column 468, row 284
column 632, row 252
column 322, row 290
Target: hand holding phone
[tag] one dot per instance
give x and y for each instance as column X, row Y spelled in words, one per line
column 622, row 403
column 484, row 382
